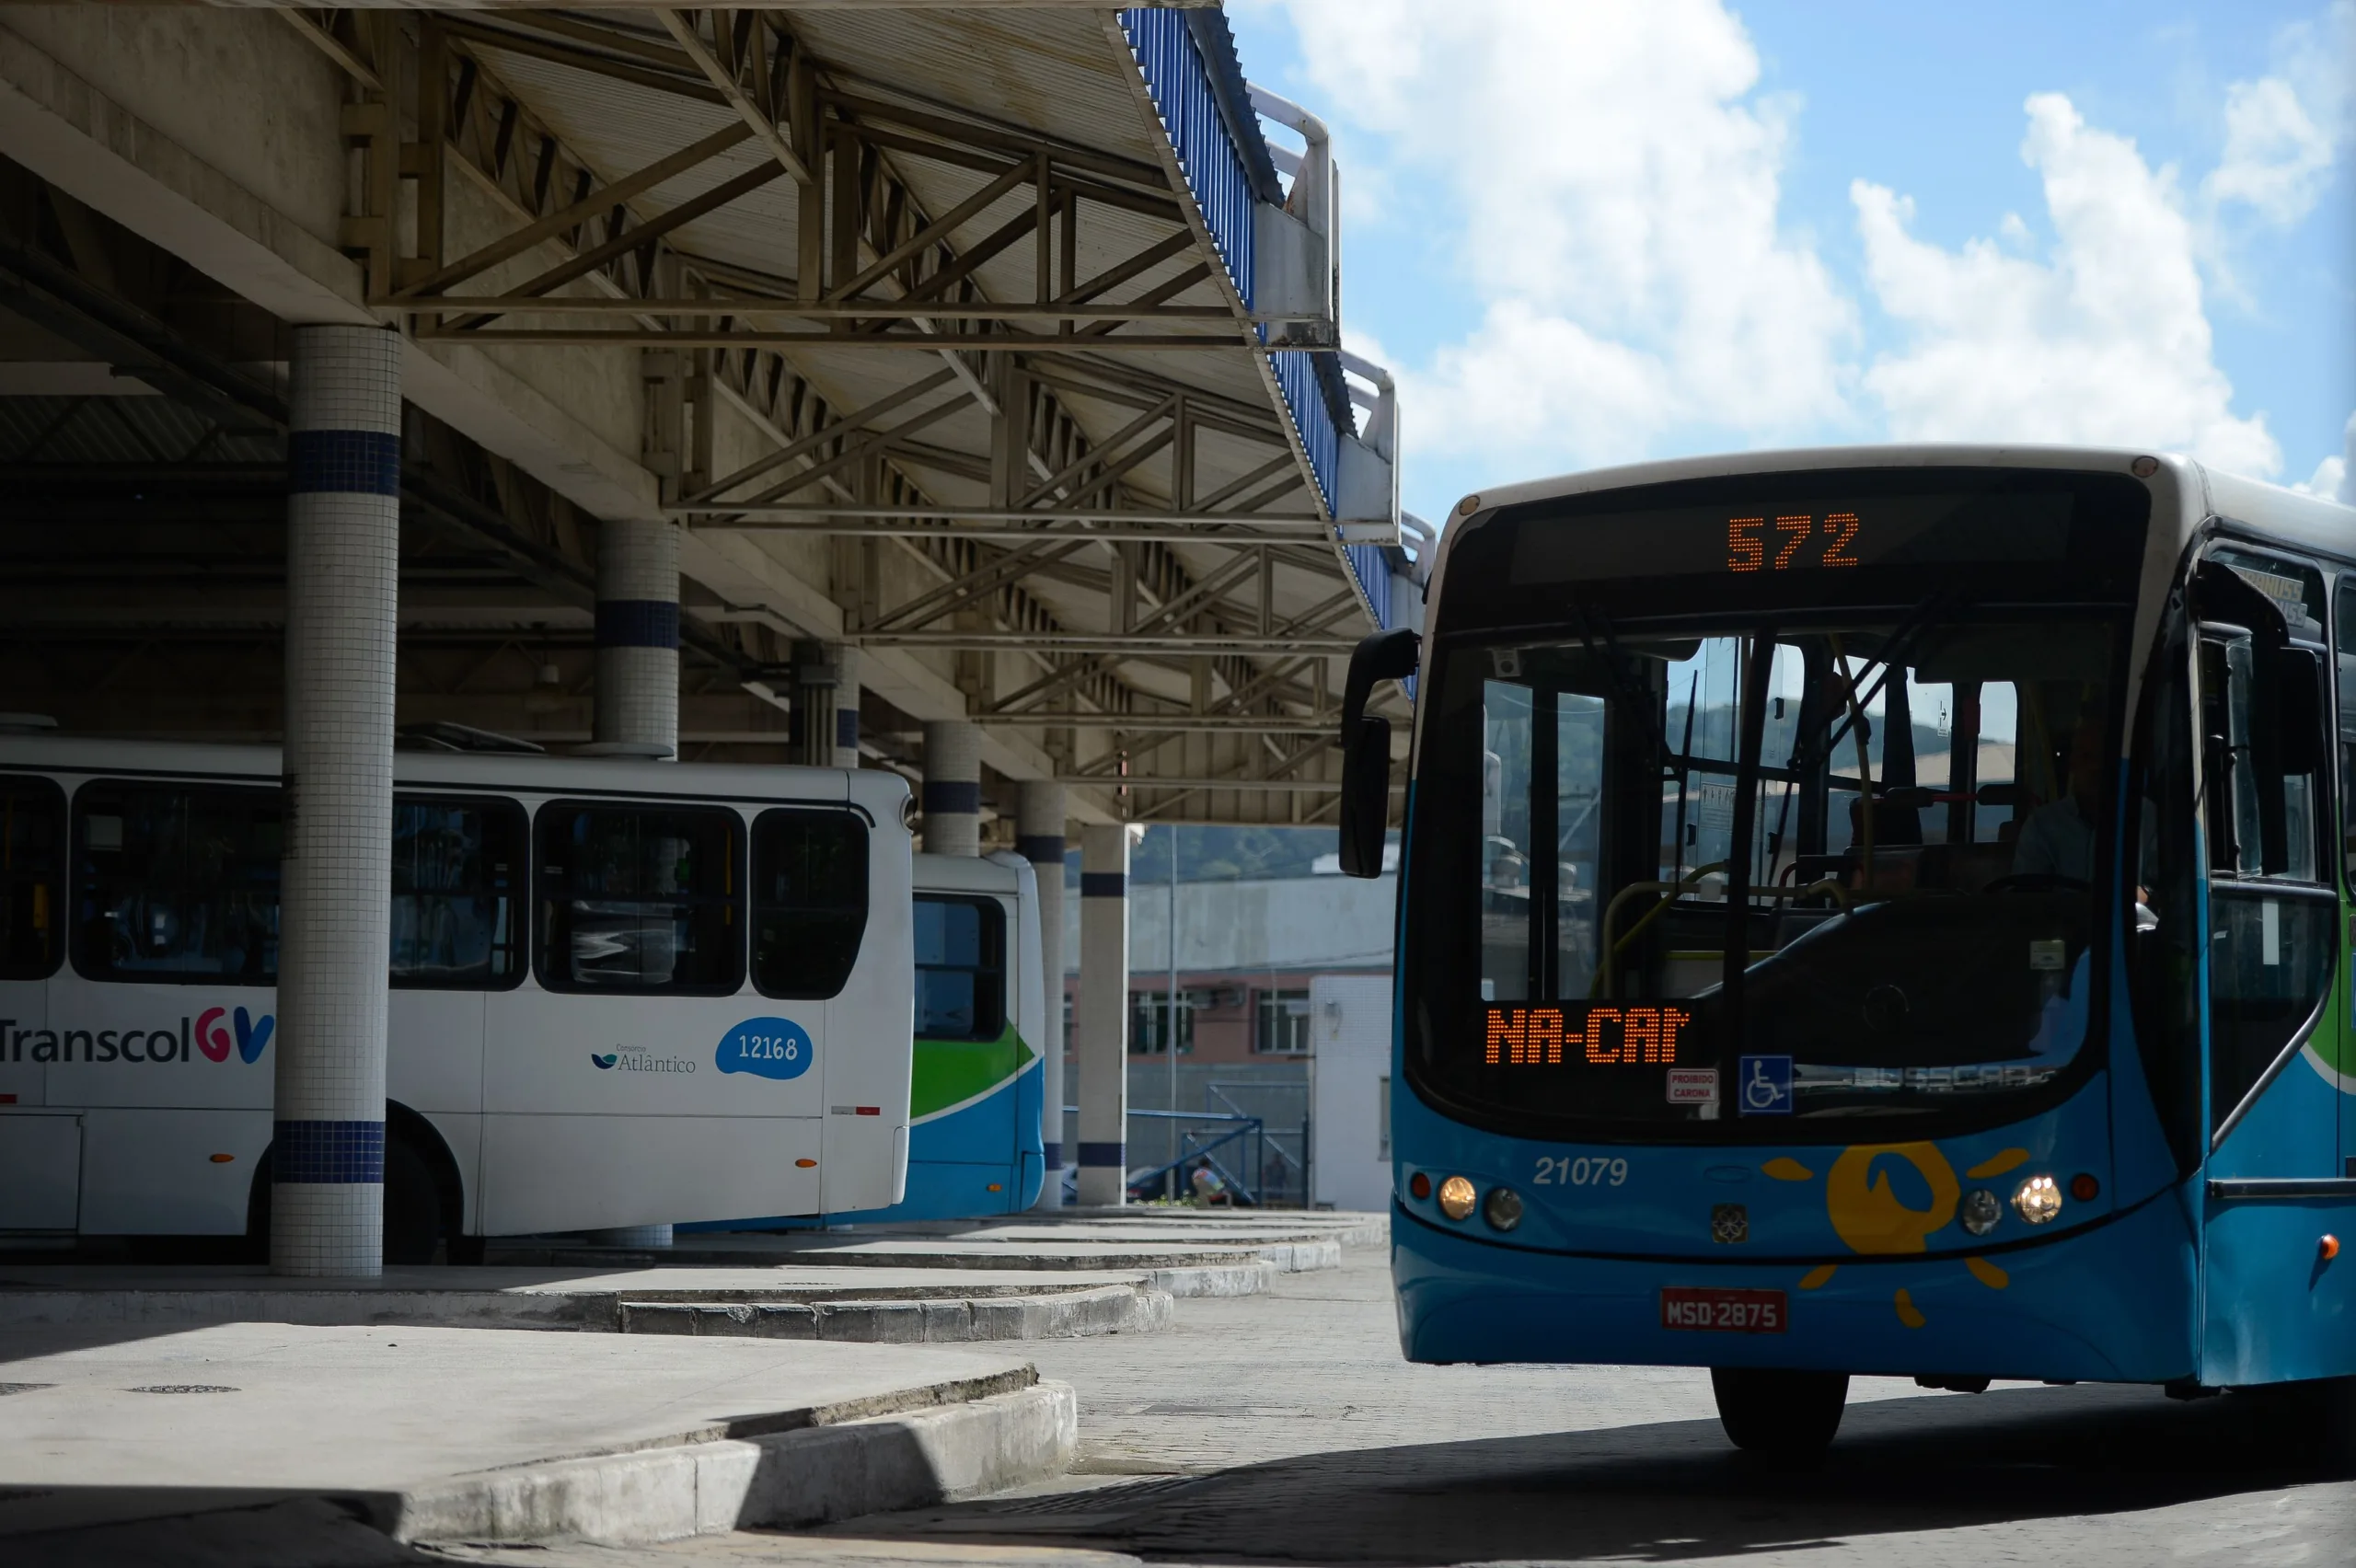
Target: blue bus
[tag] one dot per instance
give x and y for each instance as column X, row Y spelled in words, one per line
column 1876, row 911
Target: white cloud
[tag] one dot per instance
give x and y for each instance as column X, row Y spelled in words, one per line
column 2277, row 158
column 2105, row 341
column 1614, row 180
column 2335, row 477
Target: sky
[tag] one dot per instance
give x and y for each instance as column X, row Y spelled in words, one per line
column 1591, row 232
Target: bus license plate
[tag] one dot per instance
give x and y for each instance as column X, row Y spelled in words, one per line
column 1722, row 1311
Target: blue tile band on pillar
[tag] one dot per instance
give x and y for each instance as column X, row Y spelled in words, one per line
column 1103, row 885
column 1099, row 1155
column 1055, row 1158
column 1041, row 848
column 343, row 462
column 326, row 1153
column 637, row 623
column 846, row 736
column 960, row 795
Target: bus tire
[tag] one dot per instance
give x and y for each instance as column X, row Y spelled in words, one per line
column 1784, row 1417
column 2335, row 1400
column 412, row 1204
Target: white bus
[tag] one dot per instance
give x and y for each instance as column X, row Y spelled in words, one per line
column 622, row 993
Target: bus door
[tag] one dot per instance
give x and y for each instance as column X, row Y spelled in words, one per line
column 2274, row 930
column 962, row 1149
column 456, row 935
column 41, row 1155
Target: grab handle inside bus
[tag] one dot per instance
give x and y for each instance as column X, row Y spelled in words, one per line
column 1366, row 748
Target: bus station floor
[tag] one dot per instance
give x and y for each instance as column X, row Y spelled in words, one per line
column 1285, row 1429
column 475, row 1431
column 622, row 1300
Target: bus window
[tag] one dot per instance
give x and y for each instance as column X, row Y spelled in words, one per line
column 32, row 816
column 809, row 901
column 961, row 968
column 457, row 894
column 2274, row 919
column 177, row 884
column 639, row 898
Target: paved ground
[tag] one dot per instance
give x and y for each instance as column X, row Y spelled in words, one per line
column 99, row 1426
column 1285, row 1428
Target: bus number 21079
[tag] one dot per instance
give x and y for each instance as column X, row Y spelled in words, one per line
column 1580, row 1170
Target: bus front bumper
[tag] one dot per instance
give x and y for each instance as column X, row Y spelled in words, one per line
column 2115, row 1303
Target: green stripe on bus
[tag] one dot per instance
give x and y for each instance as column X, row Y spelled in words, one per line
column 950, row 1072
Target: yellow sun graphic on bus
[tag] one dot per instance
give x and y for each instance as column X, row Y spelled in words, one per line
column 1872, row 1220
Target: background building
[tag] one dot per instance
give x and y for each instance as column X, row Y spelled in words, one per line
column 1263, row 919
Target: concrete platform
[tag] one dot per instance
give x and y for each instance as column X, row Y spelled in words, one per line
column 458, row 1433
column 1179, row 1268
column 856, row 1305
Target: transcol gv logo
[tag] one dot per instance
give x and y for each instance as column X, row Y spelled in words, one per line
column 245, row 1033
column 214, row 1041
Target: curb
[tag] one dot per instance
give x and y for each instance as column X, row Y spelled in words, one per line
column 1116, row 1309
column 1108, row 1310
column 807, row 1476
column 1256, row 1278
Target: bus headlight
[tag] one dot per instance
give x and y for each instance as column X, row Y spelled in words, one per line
column 1502, row 1208
column 1456, row 1196
column 2039, row 1200
column 1981, row 1210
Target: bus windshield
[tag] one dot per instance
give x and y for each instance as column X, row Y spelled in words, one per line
column 1733, row 869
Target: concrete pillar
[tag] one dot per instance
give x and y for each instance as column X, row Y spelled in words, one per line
column 847, row 674
column 326, row 1215
column 638, row 682
column 826, row 703
column 638, row 634
column 1039, row 838
column 952, row 788
column 1103, row 1012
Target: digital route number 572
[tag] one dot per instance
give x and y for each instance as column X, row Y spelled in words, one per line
column 1796, row 540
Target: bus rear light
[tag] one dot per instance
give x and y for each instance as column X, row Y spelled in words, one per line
column 2039, row 1200
column 806, row 1165
column 867, row 1110
column 1457, row 1197
column 1419, row 1185
column 223, row 1158
column 1502, row 1208
column 2085, row 1188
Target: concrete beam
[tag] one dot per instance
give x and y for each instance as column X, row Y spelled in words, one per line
column 107, row 157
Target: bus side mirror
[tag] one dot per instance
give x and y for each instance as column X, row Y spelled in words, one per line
column 1366, row 748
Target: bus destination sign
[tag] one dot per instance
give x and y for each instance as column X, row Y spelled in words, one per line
column 1582, row 1033
column 1802, row 535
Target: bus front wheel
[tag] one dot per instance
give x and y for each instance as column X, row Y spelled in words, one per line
column 1785, row 1417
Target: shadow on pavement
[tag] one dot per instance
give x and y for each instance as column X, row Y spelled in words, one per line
column 1674, row 1489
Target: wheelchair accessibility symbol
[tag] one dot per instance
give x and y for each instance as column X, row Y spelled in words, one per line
column 1764, row 1086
